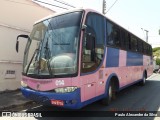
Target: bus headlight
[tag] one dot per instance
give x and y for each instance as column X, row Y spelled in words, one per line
column 23, row 84
column 65, row 89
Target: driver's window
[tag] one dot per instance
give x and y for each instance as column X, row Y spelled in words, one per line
column 93, row 43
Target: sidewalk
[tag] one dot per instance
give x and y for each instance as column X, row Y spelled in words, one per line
column 12, row 99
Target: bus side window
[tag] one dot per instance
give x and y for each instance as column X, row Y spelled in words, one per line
column 136, row 45
column 144, row 48
column 150, row 50
column 129, row 42
column 117, row 36
column 110, row 34
column 113, row 35
column 140, row 46
column 133, row 43
column 91, row 59
column 124, row 40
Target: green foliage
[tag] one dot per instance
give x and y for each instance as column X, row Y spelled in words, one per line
column 155, row 49
column 156, row 53
column 158, row 61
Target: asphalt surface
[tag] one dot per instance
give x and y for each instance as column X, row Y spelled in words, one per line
column 14, row 100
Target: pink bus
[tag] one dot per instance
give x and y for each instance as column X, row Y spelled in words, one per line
column 75, row 58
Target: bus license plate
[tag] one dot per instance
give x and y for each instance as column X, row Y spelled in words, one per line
column 57, row 102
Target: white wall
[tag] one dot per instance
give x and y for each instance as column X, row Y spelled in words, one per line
column 9, row 81
column 10, row 61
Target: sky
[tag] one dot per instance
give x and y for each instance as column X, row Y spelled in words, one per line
column 134, row 15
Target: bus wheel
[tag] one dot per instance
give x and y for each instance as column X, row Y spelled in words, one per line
column 142, row 83
column 110, row 94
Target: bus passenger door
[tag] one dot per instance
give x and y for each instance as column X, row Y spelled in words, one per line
column 100, row 89
column 88, row 65
column 88, row 89
column 92, row 55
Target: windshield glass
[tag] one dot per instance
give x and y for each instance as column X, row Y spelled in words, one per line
column 53, row 49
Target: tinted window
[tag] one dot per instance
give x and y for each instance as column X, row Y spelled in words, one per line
column 91, row 59
column 133, row 43
column 144, row 48
column 140, row 46
column 120, row 38
column 124, row 40
column 113, row 35
column 97, row 23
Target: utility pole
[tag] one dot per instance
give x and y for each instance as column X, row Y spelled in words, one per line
column 104, row 7
column 146, row 35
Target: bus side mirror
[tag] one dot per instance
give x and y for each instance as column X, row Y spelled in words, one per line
column 84, row 27
column 17, row 46
column 17, row 43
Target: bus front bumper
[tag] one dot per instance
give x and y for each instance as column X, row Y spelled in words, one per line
column 67, row 100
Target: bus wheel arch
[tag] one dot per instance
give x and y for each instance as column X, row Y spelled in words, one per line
column 112, row 86
column 144, row 77
column 145, row 73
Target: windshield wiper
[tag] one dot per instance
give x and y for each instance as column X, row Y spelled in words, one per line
column 37, row 57
column 36, row 50
column 47, row 57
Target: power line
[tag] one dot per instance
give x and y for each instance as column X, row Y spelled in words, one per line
column 112, row 6
column 65, row 3
column 51, row 4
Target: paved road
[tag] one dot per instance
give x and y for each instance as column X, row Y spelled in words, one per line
column 146, row 98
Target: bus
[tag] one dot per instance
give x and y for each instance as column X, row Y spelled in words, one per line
column 75, row 58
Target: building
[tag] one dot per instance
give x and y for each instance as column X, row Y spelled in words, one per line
column 16, row 17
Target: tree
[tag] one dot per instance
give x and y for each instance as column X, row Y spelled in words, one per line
column 158, row 61
column 155, row 49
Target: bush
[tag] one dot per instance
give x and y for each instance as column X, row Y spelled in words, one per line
column 158, row 61
column 155, row 49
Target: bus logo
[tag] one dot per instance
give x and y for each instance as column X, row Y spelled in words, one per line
column 59, row 82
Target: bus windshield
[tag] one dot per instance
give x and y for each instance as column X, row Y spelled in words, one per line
column 53, row 49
